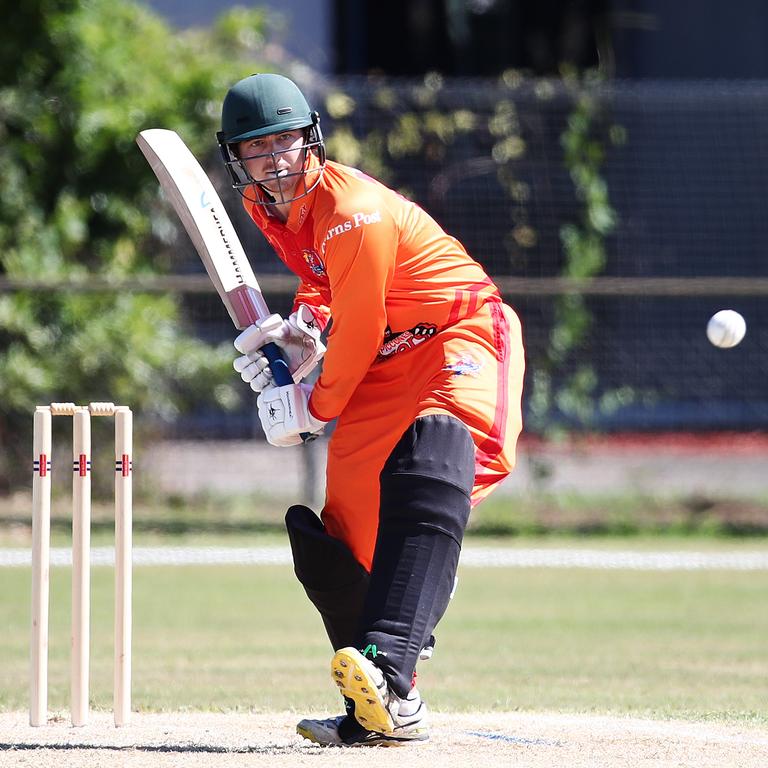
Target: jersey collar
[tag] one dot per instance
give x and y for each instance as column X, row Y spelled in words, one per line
column 300, row 208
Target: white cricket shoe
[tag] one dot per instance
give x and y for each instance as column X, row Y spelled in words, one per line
column 377, row 707
column 345, row 731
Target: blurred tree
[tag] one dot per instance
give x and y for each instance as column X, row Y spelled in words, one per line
column 78, row 80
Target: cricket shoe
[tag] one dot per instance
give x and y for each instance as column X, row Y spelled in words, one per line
column 377, row 707
column 345, row 731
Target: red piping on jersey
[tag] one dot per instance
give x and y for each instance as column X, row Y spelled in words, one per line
column 472, row 294
column 491, row 447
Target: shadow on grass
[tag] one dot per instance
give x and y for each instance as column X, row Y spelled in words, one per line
column 622, row 516
column 489, row 529
column 619, row 529
column 169, row 527
column 696, row 515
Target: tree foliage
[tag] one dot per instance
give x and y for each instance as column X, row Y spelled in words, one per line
column 78, row 80
column 564, row 383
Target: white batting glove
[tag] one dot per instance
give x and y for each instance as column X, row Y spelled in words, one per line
column 298, row 337
column 285, row 416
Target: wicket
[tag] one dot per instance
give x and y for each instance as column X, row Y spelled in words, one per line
column 81, row 543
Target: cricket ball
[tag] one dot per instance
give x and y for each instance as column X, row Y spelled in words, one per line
column 726, row 328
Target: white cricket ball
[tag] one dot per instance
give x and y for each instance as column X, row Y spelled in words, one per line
column 726, row 328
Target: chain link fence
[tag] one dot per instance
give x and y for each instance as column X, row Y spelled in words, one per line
column 684, row 166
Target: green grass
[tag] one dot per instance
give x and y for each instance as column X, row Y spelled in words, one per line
column 621, row 514
column 225, row 519
column 214, row 638
column 238, row 638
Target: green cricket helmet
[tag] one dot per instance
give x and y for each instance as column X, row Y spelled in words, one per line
column 261, row 105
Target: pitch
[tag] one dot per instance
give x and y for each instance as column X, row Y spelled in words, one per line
column 527, row 740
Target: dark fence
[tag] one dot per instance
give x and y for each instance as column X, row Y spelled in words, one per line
column 685, row 166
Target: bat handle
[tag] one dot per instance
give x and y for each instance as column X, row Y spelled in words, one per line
column 281, row 374
column 277, row 364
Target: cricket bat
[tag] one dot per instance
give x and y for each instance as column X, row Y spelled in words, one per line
column 193, row 197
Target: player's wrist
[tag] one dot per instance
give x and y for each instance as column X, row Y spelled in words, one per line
column 317, row 415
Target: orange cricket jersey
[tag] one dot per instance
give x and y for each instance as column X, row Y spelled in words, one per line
column 380, row 266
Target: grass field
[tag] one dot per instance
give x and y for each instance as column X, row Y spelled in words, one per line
column 659, row 644
column 239, row 518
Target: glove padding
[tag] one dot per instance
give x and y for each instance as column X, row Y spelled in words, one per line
column 298, row 337
column 285, row 416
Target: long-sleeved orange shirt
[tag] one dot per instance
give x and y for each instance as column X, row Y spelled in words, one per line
column 380, row 266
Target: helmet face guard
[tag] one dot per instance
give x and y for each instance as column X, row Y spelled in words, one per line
column 291, row 186
column 262, row 105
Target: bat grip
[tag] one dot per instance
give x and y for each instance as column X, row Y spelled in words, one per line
column 277, row 364
column 281, row 374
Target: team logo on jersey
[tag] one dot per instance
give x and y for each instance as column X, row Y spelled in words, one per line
column 314, row 262
column 465, row 365
column 404, row 340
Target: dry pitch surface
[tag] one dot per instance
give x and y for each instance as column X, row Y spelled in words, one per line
column 458, row 740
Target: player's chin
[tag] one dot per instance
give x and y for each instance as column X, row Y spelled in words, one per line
column 281, row 191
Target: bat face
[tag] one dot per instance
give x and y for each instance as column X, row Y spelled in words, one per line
column 201, row 211
column 198, row 206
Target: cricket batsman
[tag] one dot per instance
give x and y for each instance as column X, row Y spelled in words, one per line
column 423, row 371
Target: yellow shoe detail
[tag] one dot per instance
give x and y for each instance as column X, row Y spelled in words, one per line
column 349, row 669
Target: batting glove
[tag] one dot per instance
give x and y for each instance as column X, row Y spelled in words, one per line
column 298, row 337
column 284, row 414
